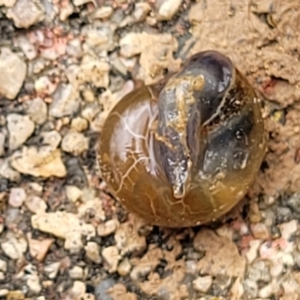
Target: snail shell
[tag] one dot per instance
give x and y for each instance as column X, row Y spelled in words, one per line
column 183, row 152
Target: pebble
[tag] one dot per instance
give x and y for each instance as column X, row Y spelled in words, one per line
column 36, row 204
column 101, row 290
column 103, row 12
column 16, row 197
column 252, row 253
column 92, row 71
column 44, row 86
column 33, row 283
column 92, row 252
column 38, row 248
column 79, row 124
column 3, row 265
column 66, row 11
column 65, row 101
column 14, row 246
column 78, row 289
column 26, row 13
column 52, row 269
column 37, row 111
column 28, row 48
column 74, row 48
column 124, row 267
column 141, row 10
column 75, row 143
column 99, row 36
column 202, row 284
column 251, row 288
column 167, row 9
column 39, row 162
column 266, row 292
column 76, row 272
column 294, row 202
column 111, row 256
column 7, row 3
column 73, row 193
column 12, row 75
column 20, row 128
column 66, row 226
column 50, row 139
column 260, row 231
column 107, row 228
column 288, row 229
column 7, row 172
column 90, row 111
column 276, row 270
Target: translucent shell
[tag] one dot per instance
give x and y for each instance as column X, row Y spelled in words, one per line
column 185, row 151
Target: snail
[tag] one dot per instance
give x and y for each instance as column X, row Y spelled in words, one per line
column 184, row 151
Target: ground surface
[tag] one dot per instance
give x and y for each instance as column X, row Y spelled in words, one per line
column 63, row 64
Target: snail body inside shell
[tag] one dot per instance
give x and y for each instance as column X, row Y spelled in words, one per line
column 184, row 152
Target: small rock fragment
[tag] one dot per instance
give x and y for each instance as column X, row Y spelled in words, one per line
column 156, row 54
column 37, row 111
column 65, row 101
column 92, row 71
column 78, row 290
column 92, row 252
column 76, row 272
column 103, row 12
column 252, row 253
column 14, row 246
column 127, row 238
column 42, row 162
column 16, row 197
column 52, row 269
column 28, row 48
column 3, row 265
column 36, row 204
column 12, row 75
column 124, row 267
column 75, row 143
column 74, row 48
column 146, row 264
column 108, row 227
column 26, row 13
column 102, row 289
column 6, row 171
column 79, row 124
column 7, row 3
column 202, row 284
column 221, row 255
column 141, row 10
column 99, row 35
column 111, row 256
column 260, row 231
column 64, row 225
column 38, row 248
column 288, row 229
column 51, row 139
column 20, row 128
column 73, row 193
column 168, row 9
column 266, row 292
column 33, row 283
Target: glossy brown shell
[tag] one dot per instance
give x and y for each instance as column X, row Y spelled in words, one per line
column 184, row 152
